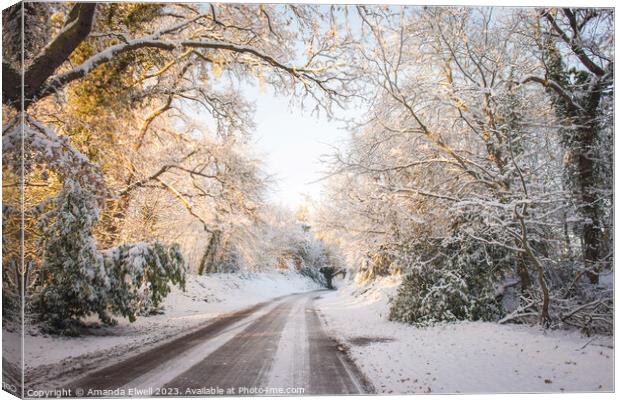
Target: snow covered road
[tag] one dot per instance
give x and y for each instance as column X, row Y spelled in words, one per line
column 272, row 348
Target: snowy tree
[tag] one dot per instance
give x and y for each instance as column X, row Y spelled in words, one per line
column 577, row 54
column 479, row 162
column 140, row 275
column 110, row 95
column 73, row 281
column 458, row 148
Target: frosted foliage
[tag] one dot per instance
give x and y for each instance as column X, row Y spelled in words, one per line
column 43, row 147
column 73, row 281
column 453, row 284
column 76, row 279
column 140, row 274
column 457, row 172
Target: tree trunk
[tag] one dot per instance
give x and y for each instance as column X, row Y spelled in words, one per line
column 208, row 259
column 112, row 222
column 524, row 275
column 592, row 233
column 580, row 136
column 545, row 319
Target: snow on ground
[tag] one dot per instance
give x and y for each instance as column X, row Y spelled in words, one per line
column 205, row 297
column 464, row 357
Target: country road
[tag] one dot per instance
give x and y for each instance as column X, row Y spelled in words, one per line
column 274, row 348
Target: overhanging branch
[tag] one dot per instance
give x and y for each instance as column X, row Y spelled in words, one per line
column 58, row 82
column 55, row 53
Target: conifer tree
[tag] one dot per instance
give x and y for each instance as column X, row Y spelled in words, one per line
column 72, row 278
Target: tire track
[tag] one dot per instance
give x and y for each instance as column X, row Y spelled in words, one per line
column 243, row 361
column 119, row 374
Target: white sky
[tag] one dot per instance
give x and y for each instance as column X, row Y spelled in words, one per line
column 290, row 141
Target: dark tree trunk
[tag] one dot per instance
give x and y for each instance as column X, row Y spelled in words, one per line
column 592, row 233
column 524, row 275
column 56, row 52
column 579, row 102
column 207, row 263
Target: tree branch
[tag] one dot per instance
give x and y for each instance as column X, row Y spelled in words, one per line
column 11, row 85
column 58, row 82
column 550, row 84
column 574, row 46
column 185, row 203
column 54, row 54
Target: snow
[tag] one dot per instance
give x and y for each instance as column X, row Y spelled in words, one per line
column 606, row 280
column 48, row 148
column 205, row 297
column 464, row 357
column 288, row 371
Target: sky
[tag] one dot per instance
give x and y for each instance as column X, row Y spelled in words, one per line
column 291, row 141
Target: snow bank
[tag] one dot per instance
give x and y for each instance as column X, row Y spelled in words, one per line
column 205, row 297
column 464, row 357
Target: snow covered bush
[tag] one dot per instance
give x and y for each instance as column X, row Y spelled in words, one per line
column 76, row 279
column 11, row 293
column 428, row 295
column 72, row 279
column 456, row 284
column 12, row 278
column 139, row 276
column 315, row 259
column 316, row 275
